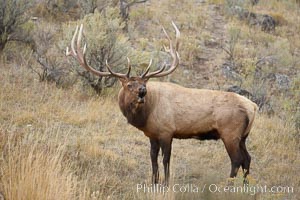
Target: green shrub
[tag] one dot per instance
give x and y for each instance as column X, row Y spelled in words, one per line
column 103, row 34
column 12, row 17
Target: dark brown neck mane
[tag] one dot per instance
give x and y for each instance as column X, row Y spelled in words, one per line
column 136, row 115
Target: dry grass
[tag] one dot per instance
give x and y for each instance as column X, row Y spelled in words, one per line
column 32, row 171
column 65, row 144
column 70, row 144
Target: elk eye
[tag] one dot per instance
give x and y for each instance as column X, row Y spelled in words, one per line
column 129, row 86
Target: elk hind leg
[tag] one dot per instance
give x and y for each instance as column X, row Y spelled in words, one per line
column 247, row 158
column 236, row 155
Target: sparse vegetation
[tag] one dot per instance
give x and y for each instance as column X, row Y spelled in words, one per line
column 69, row 143
column 12, row 17
column 105, row 42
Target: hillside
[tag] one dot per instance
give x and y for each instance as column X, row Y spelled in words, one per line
column 62, row 135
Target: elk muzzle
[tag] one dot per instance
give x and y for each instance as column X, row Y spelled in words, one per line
column 142, row 93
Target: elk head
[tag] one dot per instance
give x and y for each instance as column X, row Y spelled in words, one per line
column 134, row 87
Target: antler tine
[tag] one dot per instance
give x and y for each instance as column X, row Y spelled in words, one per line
column 73, row 41
column 173, row 52
column 177, row 37
column 170, row 50
column 119, row 75
column 165, row 32
column 72, row 52
column 129, row 68
column 177, row 32
column 147, row 69
column 166, row 49
column 80, row 55
column 152, row 74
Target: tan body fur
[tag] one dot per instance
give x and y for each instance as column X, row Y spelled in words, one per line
column 175, row 111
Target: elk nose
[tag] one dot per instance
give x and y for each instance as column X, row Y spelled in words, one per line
column 142, row 91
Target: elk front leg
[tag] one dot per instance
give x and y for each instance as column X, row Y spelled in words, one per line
column 166, row 146
column 154, row 154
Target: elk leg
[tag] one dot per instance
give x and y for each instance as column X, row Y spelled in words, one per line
column 236, row 156
column 247, row 158
column 154, row 154
column 166, row 146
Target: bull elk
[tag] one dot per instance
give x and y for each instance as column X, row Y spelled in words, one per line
column 164, row 111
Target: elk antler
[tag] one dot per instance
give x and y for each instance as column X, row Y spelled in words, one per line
column 174, row 55
column 127, row 75
column 80, row 57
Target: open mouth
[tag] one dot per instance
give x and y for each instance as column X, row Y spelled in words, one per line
column 141, row 100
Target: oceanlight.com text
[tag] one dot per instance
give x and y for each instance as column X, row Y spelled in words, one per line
column 212, row 188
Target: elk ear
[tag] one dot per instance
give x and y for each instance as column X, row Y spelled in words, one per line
column 146, row 79
column 123, row 81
